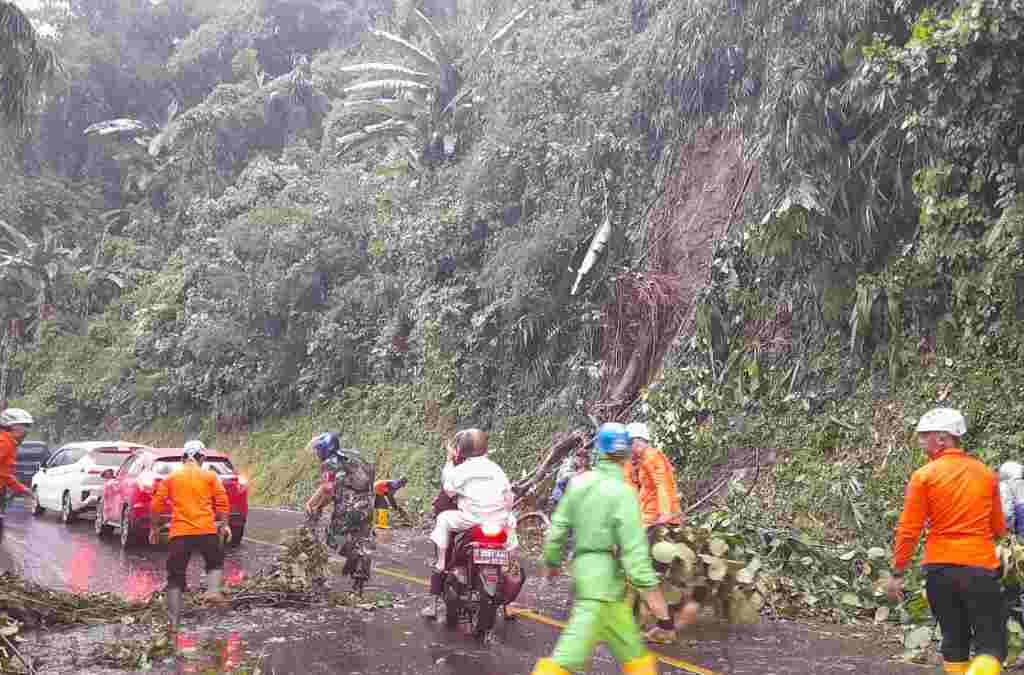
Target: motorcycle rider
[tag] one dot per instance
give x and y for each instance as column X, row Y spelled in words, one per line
column 347, row 482
column 483, row 494
column 199, row 509
column 604, row 515
column 14, row 424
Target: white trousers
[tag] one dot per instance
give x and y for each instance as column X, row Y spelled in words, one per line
column 448, row 523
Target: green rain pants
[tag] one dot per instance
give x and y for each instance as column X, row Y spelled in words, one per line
column 595, row 621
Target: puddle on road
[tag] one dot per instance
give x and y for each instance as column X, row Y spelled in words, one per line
column 73, row 558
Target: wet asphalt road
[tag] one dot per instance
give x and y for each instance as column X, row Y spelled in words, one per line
column 389, row 639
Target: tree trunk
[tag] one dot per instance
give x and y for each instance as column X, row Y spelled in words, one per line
column 555, row 455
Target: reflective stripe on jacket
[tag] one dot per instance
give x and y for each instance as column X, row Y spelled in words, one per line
column 603, row 513
column 655, row 479
column 196, row 496
column 958, row 496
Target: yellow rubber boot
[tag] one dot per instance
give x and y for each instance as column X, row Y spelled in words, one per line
column 955, row 666
column 549, row 667
column 985, row 665
column 645, row 665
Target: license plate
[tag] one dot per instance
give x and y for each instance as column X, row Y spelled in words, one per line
column 490, row 556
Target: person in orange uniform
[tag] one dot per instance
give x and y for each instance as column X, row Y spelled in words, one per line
column 14, row 424
column 958, row 496
column 199, row 512
column 651, row 473
column 654, row 477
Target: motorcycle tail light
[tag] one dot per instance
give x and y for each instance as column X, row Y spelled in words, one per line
column 490, row 534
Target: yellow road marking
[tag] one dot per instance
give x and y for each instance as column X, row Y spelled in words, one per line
column 526, row 614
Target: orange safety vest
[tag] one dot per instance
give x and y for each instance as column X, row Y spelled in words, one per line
column 654, row 478
column 958, row 496
column 197, row 497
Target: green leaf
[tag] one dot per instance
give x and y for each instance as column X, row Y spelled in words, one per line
column 850, row 599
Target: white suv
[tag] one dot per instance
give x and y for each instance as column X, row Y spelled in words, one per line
column 72, row 481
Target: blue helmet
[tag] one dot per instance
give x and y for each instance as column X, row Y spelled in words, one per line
column 612, row 439
column 326, row 444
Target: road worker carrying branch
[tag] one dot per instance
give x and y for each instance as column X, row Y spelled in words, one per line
column 199, row 510
column 958, row 496
column 603, row 513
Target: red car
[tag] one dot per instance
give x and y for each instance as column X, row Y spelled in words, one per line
column 128, row 493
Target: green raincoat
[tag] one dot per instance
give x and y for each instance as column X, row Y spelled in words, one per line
column 603, row 512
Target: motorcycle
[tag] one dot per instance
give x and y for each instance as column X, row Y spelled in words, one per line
column 481, row 577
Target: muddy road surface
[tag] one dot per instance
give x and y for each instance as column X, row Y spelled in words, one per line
column 385, row 634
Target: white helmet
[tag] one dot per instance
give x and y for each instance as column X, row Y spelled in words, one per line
column 194, row 450
column 1011, row 471
column 943, row 419
column 638, row 430
column 12, row 416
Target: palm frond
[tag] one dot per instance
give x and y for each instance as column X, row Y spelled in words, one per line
column 384, row 68
column 436, row 41
column 455, row 102
column 117, row 126
column 407, row 47
column 378, row 88
column 21, row 241
column 387, row 106
column 506, row 30
column 375, row 133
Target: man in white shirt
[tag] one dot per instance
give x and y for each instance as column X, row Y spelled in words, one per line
column 481, row 490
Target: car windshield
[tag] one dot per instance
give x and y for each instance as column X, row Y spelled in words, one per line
column 110, row 457
column 219, row 465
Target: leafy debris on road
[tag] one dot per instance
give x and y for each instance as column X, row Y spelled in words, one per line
column 35, row 605
column 296, row 579
column 135, row 654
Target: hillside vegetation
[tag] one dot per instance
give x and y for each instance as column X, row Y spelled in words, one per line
column 271, row 217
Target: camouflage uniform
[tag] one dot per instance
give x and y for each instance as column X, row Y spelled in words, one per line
column 350, row 532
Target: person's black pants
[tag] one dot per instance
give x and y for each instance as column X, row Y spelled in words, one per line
column 968, row 602
column 180, row 550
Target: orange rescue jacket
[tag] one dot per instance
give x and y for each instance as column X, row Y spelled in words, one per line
column 197, row 498
column 654, row 478
column 958, row 497
column 8, row 460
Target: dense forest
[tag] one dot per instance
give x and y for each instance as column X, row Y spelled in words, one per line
column 760, row 224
